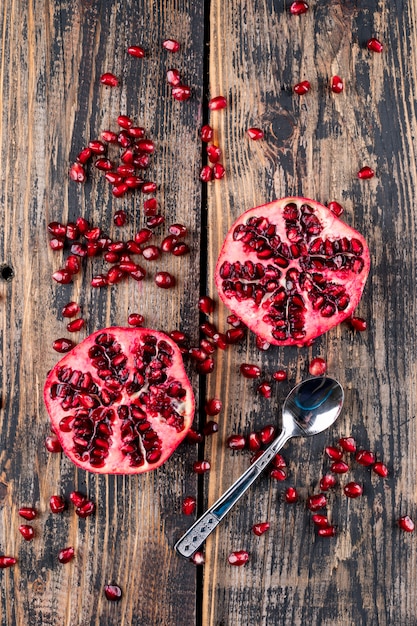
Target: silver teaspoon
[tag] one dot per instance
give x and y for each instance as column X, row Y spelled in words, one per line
column 311, row 407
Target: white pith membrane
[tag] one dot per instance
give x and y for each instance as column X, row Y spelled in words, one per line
column 120, row 401
column 291, row 270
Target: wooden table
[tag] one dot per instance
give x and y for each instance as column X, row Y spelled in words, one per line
column 52, row 103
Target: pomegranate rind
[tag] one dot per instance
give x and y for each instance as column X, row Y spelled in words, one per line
column 349, row 278
column 63, row 399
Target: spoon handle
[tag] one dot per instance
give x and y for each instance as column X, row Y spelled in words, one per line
column 204, row 526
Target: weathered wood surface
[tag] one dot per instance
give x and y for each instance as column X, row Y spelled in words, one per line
column 51, row 58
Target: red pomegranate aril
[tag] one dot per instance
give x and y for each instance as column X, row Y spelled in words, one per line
column 320, row 520
column 234, row 321
column 213, row 406
column 406, row 523
column 105, row 165
column 358, row 323
column 206, row 133
column 56, row 244
column 109, row 136
column 327, row 482
column 337, row 84
column 366, row 172
column 149, row 187
column 348, row 444
column 150, row 206
column 380, row 469
column 151, row 253
column 119, row 190
column 249, row 370
column 85, row 509
column 198, row 354
column 265, row 389
column 171, row 45
column 154, row 221
column 134, row 182
column 7, row 561
column 99, row 281
column 63, row 277
column 254, row 441
column 145, row 145
column 374, row 45
column 238, row 558
column 317, row 502
column 214, row 153
column 365, row 457
column 235, row 335
column 133, row 247
column 57, row 229
column 135, row 319
column 317, row 367
column 278, row 474
column 267, row 433
column 124, row 121
column 298, row 8
column 114, row 178
column 56, row 504
column 52, row 444
column 27, row 512
column 279, row 462
column 136, row 51
column 137, row 132
column 206, row 305
column 84, row 156
column 255, row 133
column 208, row 329
column 201, row 467
column 71, row 309
column 339, row 467
column 217, row 103
column 262, row 344
column 210, row 428
column 173, row 77
column 178, row 230
column 168, row 243
column 77, row 498
column 218, row 171
column 334, row 453
column 66, row 555
column 327, row 531
column 198, row 558
column 193, row 436
column 181, row 92
column 27, row 532
column 353, row 490
column 206, row 367
column 291, row 495
column 93, row 234
column 261, row 528
column 115, row 275
column 335, row 208
column 97, row 147
column 280, row 375
column 120, row 218
column 236, row 442
column 77, row 173
column 63, row 345
column 189, row 505
column 206, row 174
column 72, row 264
column 113, row 593
column 207, row 346
column 143, row 235
column 75, row 325
column 109, row 79
column 220, row 340
column 302, row 88
column 165, row 280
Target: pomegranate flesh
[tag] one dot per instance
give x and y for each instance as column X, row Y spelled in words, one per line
column 120, row 401
column 291, row 270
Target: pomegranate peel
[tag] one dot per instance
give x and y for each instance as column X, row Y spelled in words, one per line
column 120, row 402
column 291, row 270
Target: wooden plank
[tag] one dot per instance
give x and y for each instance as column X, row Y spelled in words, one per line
column 52, row 104
column 314, row 146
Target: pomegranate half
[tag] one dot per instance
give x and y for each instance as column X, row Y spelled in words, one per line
column 120, row 401
column 291, row 270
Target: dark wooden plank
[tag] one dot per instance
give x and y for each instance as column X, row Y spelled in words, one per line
column 314, row 146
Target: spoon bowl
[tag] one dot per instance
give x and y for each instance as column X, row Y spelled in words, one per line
column 312, row 406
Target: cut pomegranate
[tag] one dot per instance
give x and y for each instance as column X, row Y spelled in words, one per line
column 188, row 505
column 66, row 555
column 120, row 401
column 337, row 84
column 217, row 103
column 113, row 593
column 406, row 523
column 255, row 134
column 317, row 367
column 261, row 528
column 27, row 532
column 239, row 557
column 353, row 490
column 291, row 270
column 374, row 45
column 56, row 504
column 366, row 172
column 109, row 79
column 171, row 45
column 302, row 88
column 298, row 8
column 7, row 561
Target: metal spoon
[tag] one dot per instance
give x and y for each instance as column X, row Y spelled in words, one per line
column 311, row 407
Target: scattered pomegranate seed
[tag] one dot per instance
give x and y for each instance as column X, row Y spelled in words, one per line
column 280, row 375
column 298, row 7
column 198, row 558
column 302, row 88
column 178, row 230
column 77, row 498
column 56, row 504
column 165, row 280
column 136, row 51
column 214, row 153
column 109, row 136
column 291, row 495
column 374, row 45
column 181, row 92
column 278, row 474
column 250, row 371
column 236, row 442
column 63, row 345
column 261, row 528
column 279, row 462
column 339, row 467
column 255, row 133
column 218, row 171
column 254, row 441
column 320, row 520
column 239, row 557
column 210, row 428
column 267, row 433
column 406, row 523
column 201, row 467
column 151, row 253
column 316, row 502
column 70, row 310
column 194, row 437
column 348, row 444
column 84, row 156
column 27, row 512
column 358, row 323
column 334, row 453
column 206, row 133
column 77, row 173
column 135, row 319
column 265, row 389
column 206, row 174
column 149, row 187
column 27, row 532
column 337, row 84
column 317, row 367
column 327, row 482
column 380, row 469
column 173, row 77
column 86, row 509
column 217, row 103
column 120, row 218
column 206, row 305
column 213, row 406
column 52, row 444
column 171, row 45
column 188, row 505
column 366, row 172
column 75, row 325
column 109, row 79
column 7, row 561
column 365, row 457
column 66, row 555
column 235, row 335
column 353, row 490
column 63, row 277
column 335, row 208
column 328, row 531
column 113, row 593
column 150, row 206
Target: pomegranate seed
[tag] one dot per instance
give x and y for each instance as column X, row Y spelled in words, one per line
column 317, row 367
column 165, row 280
column 99, row 281
column 380, row 469
column 337, row 84
column 334, row 453
column 207, row 346
column 298, row 8
column 52, row 444
column 194, row 437
column 168, row 243
column 335, row 208
column 348, row 444
column 365, row 457
column 316, row 502
column 143, row 235
column 213, row 406
column 150, row 206
column 7, row 561
column 255, row 133
column 327, row 482
column 77, row 498
column 358, row 323
column 201, row 467
column 109, row 136
column 63, row 277
column 250, row 371
column 279, row 462
column 198, row 558
column 135, row 319
column 339, row 467
column 56, row 244
column 173, row 77
column 113, row 593
column 265, row 389
column 374, row 45
column 214, row 153
column 109, row 79
column 57, row 229
column 206, row 305
column 206, row 133
column 256, row 456
column 84, row 156
column 406, row 523
column 206, row 174
column 218, row 171
column 180, row 248
column 77, row 173
column 262, row 344
column 188, row 505
column 104, row 165
column 217, row 103
column 210, row 428
column 235, row 335
column 261, row 528
column 124, row 121
column 66, row 555
column 278, row 474
column 366, row 172
column 291, row 495
column 206, row 367
column 234, row 321
column 63, row 345
column 136, row 51
column 151, row 253
column 57, row 504
column 27, row 532
column 120, row 218
column 75, row 325
column 328, row 531
column 181, row 92
column 149, row 187
column 302, row 88
column 353, row 490
column 70, row 309
column 236, row 442
column 239, row 557
column 97, row 147
column 138, row 132
column 178, row 230
column 171, row 45
column 27, row 512
column 280, row 375
column 208, row 329
column 86, row 509
column 320, row 520
column 119, row 190
column 254, row 441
